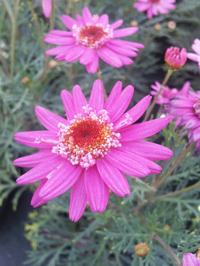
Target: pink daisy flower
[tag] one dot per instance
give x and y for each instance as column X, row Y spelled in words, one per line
column 187, row 109
column 154, row 7
column 174, row 58
column 91, row 37
column 47, row 5
column 196, row 47
column 91, row 149
column 190, row 260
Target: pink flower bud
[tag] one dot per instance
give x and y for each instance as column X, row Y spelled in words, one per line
column 174, row 58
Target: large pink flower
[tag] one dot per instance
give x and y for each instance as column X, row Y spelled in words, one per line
column 91, row 37
column 187, row 109
column 90, row 151
column 154, row 7
column 46, row 5
column 190, row 260
column 196, row 47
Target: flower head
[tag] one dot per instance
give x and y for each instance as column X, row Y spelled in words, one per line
column 91, row 149
column 190, row 260
column 174, row 58
column 154, row 7
column 91, row 37
column 196, row 47
column 46, row 5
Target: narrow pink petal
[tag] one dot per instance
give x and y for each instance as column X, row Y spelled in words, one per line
column 185, row 88
column 116, row 24
column 193, row 57
column 41, row 170
column 58, row 50
column 87, row 17
column 68, row 21
column 97, row 191
column 127, row 164
column 180, row 101
column 113, row 178
column 61, row 181
column 143, row 130
column 121, row 104
column 46, row 5
column 129, row 45
column 124, row 32
column 109, row 57
column 121, row 50
column 74, row 53
column 68, row 103
column 49, row 119
column 125, row 59
column 59, row 40
column 190, row 260
column 34, row 159
column 149, row 150
column 61, row 33
column 36, row 199
column 93, row 65
column 78, row 199
column 96, row 98
column 79, row 99
column 104, row 19
column 80, row 20
column 87, row 56
column 31, row 138
column 115, row 93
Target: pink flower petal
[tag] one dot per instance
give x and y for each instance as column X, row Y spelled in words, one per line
column 49, row 119
column 116, row 24
column 97, row 191
column 78, row 199
column 109, row 57
column 93, row 65
column 113, row 178
column 46, row 5
column 68, row 103
column 61, row 33
column 36, row 199
column 87, row 56
column 104, row 19
column 87, row 17
column 128, row 45
column 34, row 159
column 74, row 53
column 68, row 21
column 80, row 20
column 143, row 130
column 124, row 32
column 127, row 164
column 79, row 99
column 190, row 260
column 121, row 50
column 59, row 40
column 113, row 95
column 96, row 98
column 58, row 50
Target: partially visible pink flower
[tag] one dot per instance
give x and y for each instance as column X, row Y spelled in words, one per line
column 91, row 37
column 47, row 5
column 154, row 7
column 187, row 109
column 92, row 149
column 196, row 47
column 190, row 260
column 167, row 93
column 174, row 58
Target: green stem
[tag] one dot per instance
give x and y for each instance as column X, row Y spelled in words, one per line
column 197, row 185
column 4, row 64
column 99, row 76
column 9, row 11
column 169, row 72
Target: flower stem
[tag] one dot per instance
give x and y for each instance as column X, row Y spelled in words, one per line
column 4, row 64
column 99, row 76
column 169, row 72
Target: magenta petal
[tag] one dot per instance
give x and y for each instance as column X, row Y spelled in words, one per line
column 124, row 32
column 49, row 119
column 87, row 56
column 185, row 88
column 61, row 181
column 97, row 191
column 34, row 159
column 80, row 20
column 36, row 199
column 46, row 5
column 58, row 50
column 68, row 103
column 61, row 33
column 190, row 260
column 78, row 199
column 74, row 53
column 113, row 178
column 87, row 17
column 116, row 24
column 79, row 99
column 104, row 19
column 121, row 50
column 37, row 139
column 58, row 40
column 143, row 130
column 93, row 65
column 109, row 57
column 113, row 95
column 96, row 98
column 149, row 150
column 68, row 21
column 41, row 170
column 121, row 103
column 126, row 163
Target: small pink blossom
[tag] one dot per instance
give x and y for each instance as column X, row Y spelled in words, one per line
column 196, row 47
column 154, row 7
column 91, row 149
column 190, row 260
column 174, row 58
column 47, row 5
column 91, row 37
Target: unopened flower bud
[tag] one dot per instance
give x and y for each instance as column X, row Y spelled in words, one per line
column 25, row 80
column 171, row 25
column 141, row 249
column 198, row 254
column 157, row 26
column 166, row 227
column 133, row 23
column 174, row 58
column 53, row 63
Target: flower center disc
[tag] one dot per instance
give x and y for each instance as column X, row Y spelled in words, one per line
column 154, row 1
